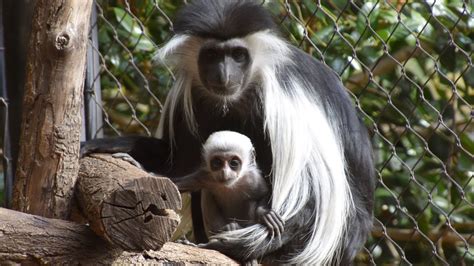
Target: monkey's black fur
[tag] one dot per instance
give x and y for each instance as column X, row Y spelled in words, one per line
column 230, row 19
column 222, row 19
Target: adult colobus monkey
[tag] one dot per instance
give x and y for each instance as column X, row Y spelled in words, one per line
column 235, row 72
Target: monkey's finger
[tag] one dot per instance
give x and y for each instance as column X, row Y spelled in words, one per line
column 277, row 217
column 275, row 228
column 269, row 225
column 277, row 221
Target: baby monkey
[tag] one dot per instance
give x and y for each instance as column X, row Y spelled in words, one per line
column 234, row 193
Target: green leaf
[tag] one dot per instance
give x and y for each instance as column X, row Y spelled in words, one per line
column 383, row 34
column 383, row 193
column 310, row 4
column 125, row 20
column 329, row 13
column 413, row 66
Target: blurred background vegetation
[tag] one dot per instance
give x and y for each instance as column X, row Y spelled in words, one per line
column 408, row 66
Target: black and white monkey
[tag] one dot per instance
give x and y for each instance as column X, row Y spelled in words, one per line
column 234, row 193
column 235, row 72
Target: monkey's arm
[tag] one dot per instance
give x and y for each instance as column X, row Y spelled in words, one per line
column 262, row 212
column 192, row 182
column 151, row 153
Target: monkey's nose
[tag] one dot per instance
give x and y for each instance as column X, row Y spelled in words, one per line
column 227, row 175
column 222, row 75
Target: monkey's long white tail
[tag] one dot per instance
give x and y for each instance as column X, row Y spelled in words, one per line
column 308, row 165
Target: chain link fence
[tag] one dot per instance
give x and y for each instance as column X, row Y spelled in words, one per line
column 408, row 66
column 6, row 176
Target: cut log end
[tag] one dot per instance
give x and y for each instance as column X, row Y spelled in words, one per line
column 141, row 215
column 128, row 207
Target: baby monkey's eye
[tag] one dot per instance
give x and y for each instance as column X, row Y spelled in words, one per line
column 216, row 163
column 234, row 163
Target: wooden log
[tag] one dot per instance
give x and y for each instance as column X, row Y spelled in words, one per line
column 30, row 239
column 125, row 205
column 48, row 157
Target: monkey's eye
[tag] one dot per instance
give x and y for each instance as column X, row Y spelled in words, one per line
column 239, row 54
column 210, row 53
column 216, row 164
column 234, row 164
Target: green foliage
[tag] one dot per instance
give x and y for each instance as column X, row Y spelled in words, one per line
column 417, row 102
column 134, row 87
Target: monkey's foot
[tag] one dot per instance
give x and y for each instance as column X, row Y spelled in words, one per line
column 273, row 222
column 126, row 157
column 231, row 226
column 212, row 244
column 253, row 262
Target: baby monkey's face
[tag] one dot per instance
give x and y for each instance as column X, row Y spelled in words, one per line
column 225, row 167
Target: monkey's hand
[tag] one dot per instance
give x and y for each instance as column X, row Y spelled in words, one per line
column 108, row 145
column 271, row 220
column 183, row 240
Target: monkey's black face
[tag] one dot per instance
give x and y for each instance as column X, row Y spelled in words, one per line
column 224, row 67
column 225, row 168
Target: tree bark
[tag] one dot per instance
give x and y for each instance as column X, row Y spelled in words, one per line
column 31, row 239
column 48, row 158
column 125, row 205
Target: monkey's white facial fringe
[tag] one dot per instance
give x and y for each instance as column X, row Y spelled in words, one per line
column 263, row 48
column 181, row 53
column 308, row 157
column 171, row 103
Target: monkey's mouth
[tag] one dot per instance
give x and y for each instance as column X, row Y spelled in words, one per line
column 226, row 181
column 224, row 91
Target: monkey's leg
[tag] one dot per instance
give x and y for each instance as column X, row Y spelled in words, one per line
column 150, row 152
column 186, row 184
column 271, row 220
column 213, row 219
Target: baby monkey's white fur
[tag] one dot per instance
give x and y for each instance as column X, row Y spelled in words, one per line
column 233, row 141
column 241, row 198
